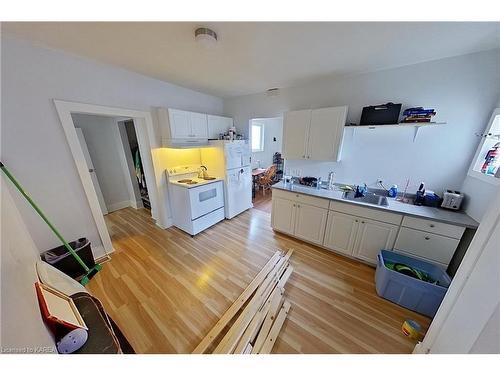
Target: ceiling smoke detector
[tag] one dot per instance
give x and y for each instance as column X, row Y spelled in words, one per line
column 205, row 36
column 273, row 92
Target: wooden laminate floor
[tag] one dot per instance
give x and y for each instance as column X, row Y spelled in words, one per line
column 166, row 289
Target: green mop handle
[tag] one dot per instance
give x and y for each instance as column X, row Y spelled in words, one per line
column 21, row 190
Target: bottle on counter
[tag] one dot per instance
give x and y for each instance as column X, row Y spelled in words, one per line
column 393, row 191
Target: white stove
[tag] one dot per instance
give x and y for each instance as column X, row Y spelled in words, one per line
column 196, row 203
column 187, row 176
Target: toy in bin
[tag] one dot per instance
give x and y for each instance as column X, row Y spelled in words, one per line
column 410, row 282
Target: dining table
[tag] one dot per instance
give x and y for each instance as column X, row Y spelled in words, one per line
column 256, row 173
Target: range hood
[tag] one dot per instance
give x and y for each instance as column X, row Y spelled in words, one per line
column 184, row 143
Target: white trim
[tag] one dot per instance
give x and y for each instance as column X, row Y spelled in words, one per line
column 443, row 316
column 119, row 205
column 147, row 141
column 480, row 176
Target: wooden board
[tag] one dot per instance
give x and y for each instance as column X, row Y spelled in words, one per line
column 230, row 340
column 275, row 330
column 236, row 306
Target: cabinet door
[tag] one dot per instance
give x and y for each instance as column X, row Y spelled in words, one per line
column 295, row 134
column 372, row 237
column 180, row 124
column 199, row 125
column 217, row 125
column 310, row 223
column 283, row 215
column 341, row 232
column 326, row 133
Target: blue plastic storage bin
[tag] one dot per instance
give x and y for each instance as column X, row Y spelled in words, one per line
column 409, row 292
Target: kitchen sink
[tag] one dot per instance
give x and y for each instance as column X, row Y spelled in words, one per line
column 369, row 198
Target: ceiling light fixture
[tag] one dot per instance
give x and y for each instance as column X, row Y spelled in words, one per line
column 205, row 36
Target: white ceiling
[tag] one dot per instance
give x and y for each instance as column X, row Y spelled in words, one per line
column 251, row 57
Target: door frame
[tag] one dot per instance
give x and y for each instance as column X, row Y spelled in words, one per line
column 147, row 142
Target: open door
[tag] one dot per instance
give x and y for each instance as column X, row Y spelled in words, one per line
column 91, row 169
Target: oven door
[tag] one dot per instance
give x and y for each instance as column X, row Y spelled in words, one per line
column 205, row 199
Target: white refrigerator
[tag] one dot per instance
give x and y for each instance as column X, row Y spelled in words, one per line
column 231, row 160
column 238, row 177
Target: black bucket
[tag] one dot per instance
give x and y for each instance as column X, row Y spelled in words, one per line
column 61, row 258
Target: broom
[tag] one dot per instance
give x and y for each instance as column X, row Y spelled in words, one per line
column 89, row 272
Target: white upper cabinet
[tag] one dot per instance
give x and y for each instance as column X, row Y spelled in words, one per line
column 296, row 133
column 180, row 126
column 176, row 124
column 218, row 125
column 199, row 125
column 314, row 134
column 326, row 133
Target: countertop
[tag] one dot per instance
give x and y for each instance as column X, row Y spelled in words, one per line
column 432, row 213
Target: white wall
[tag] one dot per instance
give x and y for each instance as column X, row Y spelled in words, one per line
column 32, row 138
column 488, row 341
column 102, row 136
column 21, row 324
column 479, row 193
column 273, row 128
column 463, row 90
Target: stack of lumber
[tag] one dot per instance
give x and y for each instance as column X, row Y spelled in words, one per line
column 252, row 323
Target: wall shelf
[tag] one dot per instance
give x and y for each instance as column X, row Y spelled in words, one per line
column 416, row 125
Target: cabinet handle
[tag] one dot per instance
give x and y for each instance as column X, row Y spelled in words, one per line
column 427, row 238
column 432, row 225
column 356, row 221
column 303, row 156
column 362, row 222
column 293, row 205
column 308, row 156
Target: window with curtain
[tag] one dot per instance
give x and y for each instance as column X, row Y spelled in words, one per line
column 257, row 137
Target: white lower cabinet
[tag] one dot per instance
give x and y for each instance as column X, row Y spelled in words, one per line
column 310, row 223
column 283, row 215
column 357, row 236
column 362, row 232
column 341, row 232
column 372, row 237
column 300, row 220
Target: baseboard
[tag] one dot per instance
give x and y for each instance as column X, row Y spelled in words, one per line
column 118, row 206
column 100, row 253
column 136, row 204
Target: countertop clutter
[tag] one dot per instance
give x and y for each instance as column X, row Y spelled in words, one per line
column 437, row 214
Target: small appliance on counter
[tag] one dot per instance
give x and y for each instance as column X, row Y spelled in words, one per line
column 452, row 199
column 426, row 197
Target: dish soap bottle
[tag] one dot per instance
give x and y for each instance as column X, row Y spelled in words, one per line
column 393, row 191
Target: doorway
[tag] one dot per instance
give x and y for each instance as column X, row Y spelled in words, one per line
column 266, row 136
column 148, row 144
column 113, row 158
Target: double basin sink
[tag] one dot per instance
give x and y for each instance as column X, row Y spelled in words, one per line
column 370, row 198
